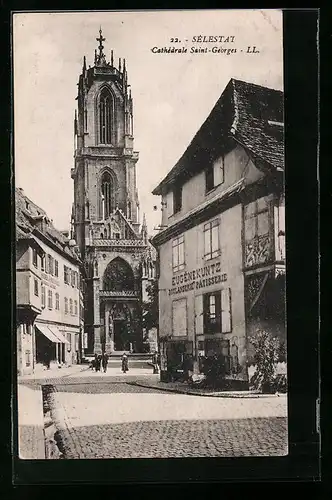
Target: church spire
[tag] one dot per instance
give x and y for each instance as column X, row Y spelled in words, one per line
column 100, row 59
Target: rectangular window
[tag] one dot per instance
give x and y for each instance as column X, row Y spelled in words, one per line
column 71, row 306
column 256, row 218
column 212, row 312
column 179, row 317
column 50, row 299
column 66, row 305
column 211, row 239
column 50, row 261
column 57, row 302
column 214, row 174
column 77, row 280
column 34, row 257
column 178, row 254
column 72, row 278
column 177, row 199
column 42, row 262
column 56, row 268
column 43, row 297
column 209, row 178
column 75, row 307
column 36, row 288
column 27, row 358
column 217, row 311
column 66, row 274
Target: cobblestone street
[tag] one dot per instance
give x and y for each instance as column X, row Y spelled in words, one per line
column 102, row 416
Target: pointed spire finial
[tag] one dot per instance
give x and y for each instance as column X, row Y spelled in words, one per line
column 84, row 63
column 101, row 56
column 120, row 64
column 112, row 58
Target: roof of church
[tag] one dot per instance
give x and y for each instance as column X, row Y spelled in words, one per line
column 251, row 115
column 28, row 214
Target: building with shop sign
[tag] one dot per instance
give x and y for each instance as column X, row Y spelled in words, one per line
column 114, row 246
column 49, row 298
column 222, row 244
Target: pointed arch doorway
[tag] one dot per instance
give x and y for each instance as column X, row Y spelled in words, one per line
column 120, row 322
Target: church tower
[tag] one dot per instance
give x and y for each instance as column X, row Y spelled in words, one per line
column 105, row 216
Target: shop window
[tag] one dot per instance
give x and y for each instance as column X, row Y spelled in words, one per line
column 177, row 199
column 57, row 302
column 211, row 239
column 43, row 296
column 36, row 288
column 214, row 174
column 75, row 307
column 56, row 268
column 34, row 257
column 217, row 312
column 178, row 254
column 66, row 305
column 70, row 306
column 50, row 299
column 179, row 317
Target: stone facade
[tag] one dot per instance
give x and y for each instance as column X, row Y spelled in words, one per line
column 105, row 218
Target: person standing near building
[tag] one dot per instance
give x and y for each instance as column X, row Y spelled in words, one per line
column 104, row 362
column 124, row 363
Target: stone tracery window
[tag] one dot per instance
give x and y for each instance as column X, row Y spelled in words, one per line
column 107, row 194
column 118, row 276
column 105, row 117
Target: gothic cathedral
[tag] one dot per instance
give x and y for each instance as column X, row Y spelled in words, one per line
column 118, row 259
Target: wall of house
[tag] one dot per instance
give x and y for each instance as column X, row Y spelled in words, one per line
column 57, row 285
column 25, row 349
column 25, row 279
column 236, row 165
column 229, row 265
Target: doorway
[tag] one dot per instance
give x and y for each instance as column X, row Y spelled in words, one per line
column 121, row 336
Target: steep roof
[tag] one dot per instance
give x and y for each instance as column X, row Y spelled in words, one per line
column 29, row 216
column 245, row 113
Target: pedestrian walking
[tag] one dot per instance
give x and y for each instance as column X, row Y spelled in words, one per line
column 105, row 362
column 98, row 362
column 124, row 363
column 155, row 362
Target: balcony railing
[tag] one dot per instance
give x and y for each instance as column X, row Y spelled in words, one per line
column 120, row 293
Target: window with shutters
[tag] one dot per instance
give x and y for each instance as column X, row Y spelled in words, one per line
column 178, row 253
column 66, row 305
column 36, row 288
column 43, row 296
column 42, row 263
column 34, row 257
column 56, row 268
column 50, row 264
column 177, row 199
column 216, row 312
column 57, row 302
column 214, row 174
column 71, row 306
column 50, row 299
column 75, row 307
column 66, row 274
column 211, row 239
column 179, row 318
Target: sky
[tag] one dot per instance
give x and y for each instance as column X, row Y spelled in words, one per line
column 173, row 93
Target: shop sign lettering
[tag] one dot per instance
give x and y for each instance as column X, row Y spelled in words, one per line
column 197, row 278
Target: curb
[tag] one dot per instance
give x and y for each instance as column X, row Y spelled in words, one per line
column 196, row 393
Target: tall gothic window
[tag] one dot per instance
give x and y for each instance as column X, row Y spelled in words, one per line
column 118, row 276
column 107, row 195
column 105, row 117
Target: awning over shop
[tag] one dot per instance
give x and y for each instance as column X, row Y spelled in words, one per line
column 56, row 332
column 47, row 333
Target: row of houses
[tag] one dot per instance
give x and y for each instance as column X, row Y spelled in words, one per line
column 49, row 292
column 221, row 247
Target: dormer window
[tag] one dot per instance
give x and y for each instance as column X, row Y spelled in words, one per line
column 214, row 174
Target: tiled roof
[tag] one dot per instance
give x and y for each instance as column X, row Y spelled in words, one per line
column 251, row 115
column 28, row 214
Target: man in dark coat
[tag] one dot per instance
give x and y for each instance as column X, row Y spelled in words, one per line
column 124, row 363
column 105, row 362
